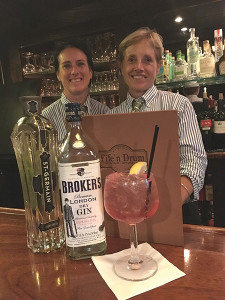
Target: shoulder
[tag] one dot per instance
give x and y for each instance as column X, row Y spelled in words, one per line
column 174, row 100
column 124, row 107
column 51, row 107
column 97, row 107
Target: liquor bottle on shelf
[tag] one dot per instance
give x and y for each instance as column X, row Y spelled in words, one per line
column 171, row 72
column 193, row 55
column 205, row 123
column 207, row 61
column 186, row 64
column 163, row 75
column 180, row 67
column 34, row 141
column 173, row 68
column 220, row 65
column 212, row 104
column 218, row 43
column 169, row 68
column 81, row 191
column 219, row 126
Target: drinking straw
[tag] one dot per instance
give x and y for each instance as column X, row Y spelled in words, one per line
column 152, row 151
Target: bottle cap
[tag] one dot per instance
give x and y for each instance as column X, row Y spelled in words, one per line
column 220, row 95
column 218, row 33
column 73, row 112
column 31, row 105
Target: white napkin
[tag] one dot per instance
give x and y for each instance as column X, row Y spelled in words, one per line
column 124, row 289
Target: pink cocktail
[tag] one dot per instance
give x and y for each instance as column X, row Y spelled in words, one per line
column 131, row 199
column 127, row 198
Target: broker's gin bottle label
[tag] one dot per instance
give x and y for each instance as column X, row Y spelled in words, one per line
column 81, row 191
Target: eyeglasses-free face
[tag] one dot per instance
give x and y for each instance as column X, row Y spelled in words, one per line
column 74, row 73
column 139, row 67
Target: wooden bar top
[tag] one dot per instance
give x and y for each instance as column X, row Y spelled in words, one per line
column 24, row 275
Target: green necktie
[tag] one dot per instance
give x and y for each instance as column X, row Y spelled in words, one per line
column 137, row 104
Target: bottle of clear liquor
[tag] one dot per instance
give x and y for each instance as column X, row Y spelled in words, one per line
column 193, row 55
column 81, row 191
column 180, row 67
column 207, row 61
column 35, row 144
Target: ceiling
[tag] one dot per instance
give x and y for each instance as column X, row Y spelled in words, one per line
column 27, row 22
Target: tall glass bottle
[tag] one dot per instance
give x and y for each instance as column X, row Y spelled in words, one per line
column 35, row 144
column 219, row 126
column 180, row 67
column 193, row 55
column 205, row 123
column 167, row 67
column 218, row 43
column 81, row 191
column 220, row 65
column 163, row 75
column 207, row 61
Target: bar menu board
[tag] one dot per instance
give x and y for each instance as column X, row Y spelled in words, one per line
column 124, row 139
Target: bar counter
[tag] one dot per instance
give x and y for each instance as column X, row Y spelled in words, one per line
column 24, row 275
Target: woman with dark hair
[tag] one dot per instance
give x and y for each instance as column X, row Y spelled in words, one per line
column 74, row 69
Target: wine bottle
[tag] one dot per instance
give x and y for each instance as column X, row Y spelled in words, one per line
column 81, row 191
column 205, row 123
column 34, row 141
column 219, row 126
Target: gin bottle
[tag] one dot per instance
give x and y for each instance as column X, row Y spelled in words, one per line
column 35, row 144
column 193, row 55
column 81, row 191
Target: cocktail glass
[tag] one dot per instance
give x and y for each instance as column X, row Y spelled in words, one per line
column 132, row 199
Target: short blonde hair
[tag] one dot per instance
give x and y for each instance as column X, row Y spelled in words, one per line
column 139, row 35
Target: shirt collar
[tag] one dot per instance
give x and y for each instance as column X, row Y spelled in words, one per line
column 87, row 102
column 148, row 96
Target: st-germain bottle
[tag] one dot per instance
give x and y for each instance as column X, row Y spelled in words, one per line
column 81, row 191
column 34, row 141
column 205, row 123
column 219, row 126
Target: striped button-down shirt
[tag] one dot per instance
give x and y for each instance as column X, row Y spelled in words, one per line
column 193, row 160
column 55, row 113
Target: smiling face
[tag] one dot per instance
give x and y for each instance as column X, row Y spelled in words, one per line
column 139, row 67
column 74, row 74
